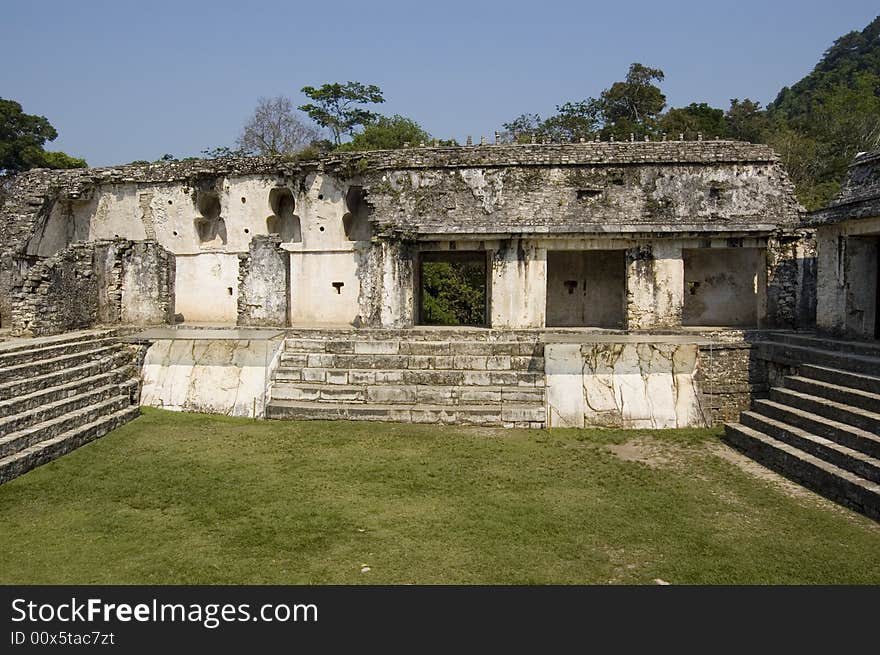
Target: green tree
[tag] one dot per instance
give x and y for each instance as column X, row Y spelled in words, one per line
column 21, row 141
column 746, row 121
column 57, row 159
column 696, row 118
column 633, row 105
column 849, row 56
column 574, row 121
column 454, row 293
column 338, row 107
column 522, row 128
column 221, row 152
column 388, row 133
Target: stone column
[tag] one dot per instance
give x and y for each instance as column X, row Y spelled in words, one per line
column 519, row 285
column 654, row 286
column 397, row 307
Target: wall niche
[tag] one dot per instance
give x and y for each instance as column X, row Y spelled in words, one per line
column 283, row 221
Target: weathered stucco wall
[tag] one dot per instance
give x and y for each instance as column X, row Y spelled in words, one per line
column 324, row 288
column 586, row 288
column 632, row 383
column 518, row 285
column 724, row 287
column 214, row 376
column 207, row 288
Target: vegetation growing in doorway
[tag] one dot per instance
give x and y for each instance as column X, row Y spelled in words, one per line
column 453, row 291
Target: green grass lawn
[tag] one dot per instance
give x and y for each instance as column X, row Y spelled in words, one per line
column 189, row 498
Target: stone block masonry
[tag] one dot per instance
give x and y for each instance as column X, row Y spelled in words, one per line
column 264, row 283
column 95, row 283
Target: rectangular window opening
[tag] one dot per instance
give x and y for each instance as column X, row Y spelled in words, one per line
column 452, row 288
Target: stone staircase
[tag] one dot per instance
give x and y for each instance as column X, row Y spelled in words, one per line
column 456, row 376
column 58, row 393
column 821, row 426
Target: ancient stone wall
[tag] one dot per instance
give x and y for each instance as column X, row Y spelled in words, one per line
column 728, row 378
column 651, row 382
column 148, row 280
column 95, row 283
column 345, row 218
column 791, row 279
column 848, row 235
column 264, row 283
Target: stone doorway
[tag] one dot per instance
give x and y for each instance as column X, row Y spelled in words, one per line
column 452, row 288
column 723, row 287
column 586, row 288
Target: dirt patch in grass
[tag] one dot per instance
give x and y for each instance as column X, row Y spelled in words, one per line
column 644, row 451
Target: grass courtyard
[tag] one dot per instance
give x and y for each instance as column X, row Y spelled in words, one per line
column 186, row 498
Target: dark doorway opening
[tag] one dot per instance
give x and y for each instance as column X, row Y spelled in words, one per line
column 452, row 288
column 586, row 288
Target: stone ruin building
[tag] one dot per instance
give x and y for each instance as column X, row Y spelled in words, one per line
column 632, row 285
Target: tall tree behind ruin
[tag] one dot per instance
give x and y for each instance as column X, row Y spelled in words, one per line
column 22, row 137
column 339, row 107
column 275, row 129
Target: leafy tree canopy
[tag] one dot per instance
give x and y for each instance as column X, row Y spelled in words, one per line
column 388, row 133
column 695, row 119
column 339, row 107
column 21, row 141
column 746, row 121
column 627, row 107
column 633, row 105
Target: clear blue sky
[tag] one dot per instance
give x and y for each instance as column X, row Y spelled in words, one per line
column 124, row 80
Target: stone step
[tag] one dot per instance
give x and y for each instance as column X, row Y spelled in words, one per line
column 51, row 351
column 864, row 399
column 793, row 355
column 813, row 472
column 506, row 415
column 51, row 410
column 414, row 334
column 77, row 371
column 417, row 362
column 844, row 434
column 24, row 438
column 854, row 461
column 865, row 348
column 406, row 394
column 19, row 344
column 437, row 377
column 841, row 412
column 23, row 403
column 869, row 383
column 31, row 369
column 413, row 347
column 39, row 453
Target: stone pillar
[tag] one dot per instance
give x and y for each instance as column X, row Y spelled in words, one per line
column 397, row 307
column 654, row 286
column 830, row 282
column 519, row 285
column 264, row 283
